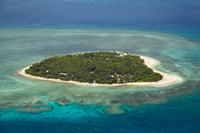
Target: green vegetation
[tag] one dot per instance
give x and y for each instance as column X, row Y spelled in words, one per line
column 95, row 67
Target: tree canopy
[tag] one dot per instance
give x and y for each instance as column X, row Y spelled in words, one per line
column 95, row 67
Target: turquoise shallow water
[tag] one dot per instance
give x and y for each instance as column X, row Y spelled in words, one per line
column 60, row 107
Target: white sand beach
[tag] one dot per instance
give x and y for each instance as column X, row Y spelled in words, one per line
column 168, row 79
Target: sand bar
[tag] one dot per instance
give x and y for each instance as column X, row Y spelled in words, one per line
column 168, row 79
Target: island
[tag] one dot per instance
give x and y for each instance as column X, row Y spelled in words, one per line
column 100, row 69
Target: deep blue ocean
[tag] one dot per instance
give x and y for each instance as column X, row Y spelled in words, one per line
column 32, row 30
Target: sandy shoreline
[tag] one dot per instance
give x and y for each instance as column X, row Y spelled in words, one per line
column 168, row 79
